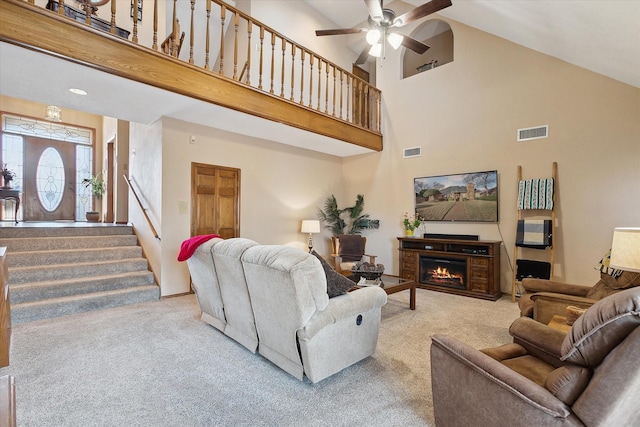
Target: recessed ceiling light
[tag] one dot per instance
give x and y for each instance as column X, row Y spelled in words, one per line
column 77, row 91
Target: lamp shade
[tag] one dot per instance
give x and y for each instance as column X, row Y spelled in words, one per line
column 395, row 40
column 625, row 249
column 310, row 226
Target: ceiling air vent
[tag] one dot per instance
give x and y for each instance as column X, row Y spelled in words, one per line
column 537, row 132
column 412, row 152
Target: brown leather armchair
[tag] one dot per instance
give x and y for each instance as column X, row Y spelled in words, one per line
column 348, row 249
column 544, row 299
column 586, row 377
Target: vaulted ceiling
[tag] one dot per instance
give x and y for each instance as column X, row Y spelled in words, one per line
column 600, row 35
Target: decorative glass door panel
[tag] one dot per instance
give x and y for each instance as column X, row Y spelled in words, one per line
column 49, row 180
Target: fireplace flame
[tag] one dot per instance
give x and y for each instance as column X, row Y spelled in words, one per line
column 443, row 273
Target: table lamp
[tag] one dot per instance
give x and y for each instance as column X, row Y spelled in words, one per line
column 625, row 249
column 310, row 226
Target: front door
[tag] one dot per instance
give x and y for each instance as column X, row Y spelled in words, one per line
column 49, row 180
column 215, row 200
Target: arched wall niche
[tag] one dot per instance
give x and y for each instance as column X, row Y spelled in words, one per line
column 437, row 34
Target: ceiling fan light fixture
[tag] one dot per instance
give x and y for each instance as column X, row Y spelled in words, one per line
column 373, row 36
column 376, row 50
column 395, row 40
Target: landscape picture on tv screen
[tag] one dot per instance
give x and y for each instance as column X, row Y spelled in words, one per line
column 467, row 197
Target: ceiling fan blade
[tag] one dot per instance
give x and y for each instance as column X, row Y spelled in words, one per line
column 363, row 56
column 420, row 12
column 415, row 45
column 339, row 31
column 375, row 9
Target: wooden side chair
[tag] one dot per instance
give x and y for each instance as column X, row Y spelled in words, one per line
column 349, row 249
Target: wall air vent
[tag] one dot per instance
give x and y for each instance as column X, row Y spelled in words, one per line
column 537, row 132
column 412, row 152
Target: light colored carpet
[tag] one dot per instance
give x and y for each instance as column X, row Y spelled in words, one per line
column 156, row 364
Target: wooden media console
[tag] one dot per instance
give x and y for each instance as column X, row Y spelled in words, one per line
column 463, row 267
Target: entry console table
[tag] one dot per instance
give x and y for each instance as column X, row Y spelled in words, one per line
column 463, row 267
column 12, row 195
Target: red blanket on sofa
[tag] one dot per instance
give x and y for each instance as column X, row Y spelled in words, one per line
column 189, row 246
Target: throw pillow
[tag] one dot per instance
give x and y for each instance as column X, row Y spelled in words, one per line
column 337, row 284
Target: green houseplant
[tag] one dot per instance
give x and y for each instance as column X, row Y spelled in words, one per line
column 97, row 187
column 349, row 220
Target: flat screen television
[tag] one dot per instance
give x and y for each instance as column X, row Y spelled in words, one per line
column 465, row 197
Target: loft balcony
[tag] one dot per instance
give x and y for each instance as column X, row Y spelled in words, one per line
column 201, row 61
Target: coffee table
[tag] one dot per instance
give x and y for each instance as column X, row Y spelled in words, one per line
column 392, row 284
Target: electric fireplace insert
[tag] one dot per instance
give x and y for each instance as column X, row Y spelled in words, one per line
column 448, row 272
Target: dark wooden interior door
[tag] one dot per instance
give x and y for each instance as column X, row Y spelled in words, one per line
column 215, row 200
column 33, row 203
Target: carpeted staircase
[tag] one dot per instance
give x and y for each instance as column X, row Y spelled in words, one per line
column 55, row 271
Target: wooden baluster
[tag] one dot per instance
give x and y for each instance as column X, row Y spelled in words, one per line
column 341, row 87
column 379, row 100
column 293, row 72
column 236, row 23
column 155, row 24
column 192, row 31
column 273, row 58
column 223, row 11
column 326, row 89
column 261, row 57
column 284, row 48
column 249, row 31
column 310, row 79
column 333, row 100
column 134, row 37
column 61, row 7
column 366, row 108
column 320, row 61
column 349, row 80
column 357, row 113
column 112, row 26
column 173, row 51
column 208, row 35
column 301, row 76
column 87, row 13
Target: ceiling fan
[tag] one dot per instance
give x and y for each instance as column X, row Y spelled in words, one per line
column 383, row 22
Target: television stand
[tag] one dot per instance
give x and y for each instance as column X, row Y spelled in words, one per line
column 462, row 267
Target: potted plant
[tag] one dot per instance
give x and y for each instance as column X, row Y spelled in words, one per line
column 97, row 187
column 410, row 223
column 348, row 220
column 7, row 176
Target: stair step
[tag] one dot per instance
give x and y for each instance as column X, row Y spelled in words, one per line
column 46, row 309
column 24, row 244
column 65, row 230
column 28, row 292
column 73, row 270
column 67, row 256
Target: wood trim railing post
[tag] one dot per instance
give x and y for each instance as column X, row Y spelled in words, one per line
column 208, row 37
column 192, row 31
column 248, row 63
column 341, row 87
column 320, row 61
column 142, row 208
column 310, row 78
column 223, row 13
column 293, row 70
column 301, row 76
column 174, row 31
column 261, row 56
column 284, row 49
column 333, row 103
column 112, row 27
column 134, row 38
column 273, row 59
column 349, row 96
column 326, row 89
column 155, row 25
column 61, row 7
column 236, row 25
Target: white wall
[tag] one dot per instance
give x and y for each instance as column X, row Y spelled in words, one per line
column 280, row 186
column 465, row 115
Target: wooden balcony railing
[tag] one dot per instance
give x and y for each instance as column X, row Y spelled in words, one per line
column 224, row 42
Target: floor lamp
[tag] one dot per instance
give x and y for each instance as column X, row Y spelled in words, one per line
column 625, row 249
column 310, row 226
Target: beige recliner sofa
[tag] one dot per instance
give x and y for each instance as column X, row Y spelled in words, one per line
column 281, row 293
column 586, row 377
